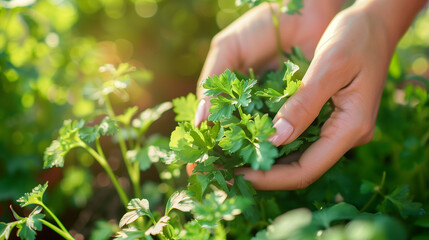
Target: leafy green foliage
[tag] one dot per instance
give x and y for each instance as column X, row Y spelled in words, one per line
column 400, row 199
column 292, row 7
column 216, row 207
column 67, row 140
column 34, row 197
column 180, row 201
column 27, row 226
column 103, row 230
column 185, row 107
column 137, row 208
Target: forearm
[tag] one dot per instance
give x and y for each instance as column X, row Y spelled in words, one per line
column 396, row 15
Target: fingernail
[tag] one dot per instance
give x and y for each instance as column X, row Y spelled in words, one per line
column 199, row 113
column 283, row 131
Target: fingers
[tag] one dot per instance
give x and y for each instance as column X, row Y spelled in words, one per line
column 320, row 83
column 202, row 113
column 314, row 162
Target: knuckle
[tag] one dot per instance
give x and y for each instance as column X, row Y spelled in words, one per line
column 363, row 129
column 297, row 104
column 367, row 132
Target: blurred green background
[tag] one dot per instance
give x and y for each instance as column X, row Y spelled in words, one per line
column 51, row 49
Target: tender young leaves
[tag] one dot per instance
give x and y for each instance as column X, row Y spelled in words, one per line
column 27, row 226
column 34, row 197
column 180, row 201
column 67, row 140
column 192, row 144
column 216, row 207
column 158, row 227
column 185, row 108
column 236, row 93
column 107, row 126
column 259, row 155
column 126, row 117
column 74, row 134
column 136, row 208
column 27, row 230
column 290, row 85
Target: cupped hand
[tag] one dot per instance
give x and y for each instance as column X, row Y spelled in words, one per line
column 250, row 42
column 349, row 66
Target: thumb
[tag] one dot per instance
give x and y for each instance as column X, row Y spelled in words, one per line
column 318, row 85
column 202, row 112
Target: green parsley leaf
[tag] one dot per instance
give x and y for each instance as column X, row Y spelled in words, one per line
column 216, row 207
column 126, row 117
column 272, row 94
column 103, row 230
column 68, row 139
column 233, row 140
column 401, row 200
column 32, row 224
column 243, row 88
column 137, row 208
column 293, row 7
column 198, row 184
column 261, row 127
column 34, row 197
column 222, row 108
column 180, row 201
column 185, row 108
column 89, row 134
column 217, row 85
column 259, row 155
column 108, row 126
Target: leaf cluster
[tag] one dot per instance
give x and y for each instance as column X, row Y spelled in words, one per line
column 292, row 7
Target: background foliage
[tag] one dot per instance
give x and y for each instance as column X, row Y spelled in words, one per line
column 50, row 52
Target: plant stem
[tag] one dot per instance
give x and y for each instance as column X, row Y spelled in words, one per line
column 103, row 162
column 60, row 224
column 276, row 22
column 377, row 191
column 57, row 230
column 132, row 168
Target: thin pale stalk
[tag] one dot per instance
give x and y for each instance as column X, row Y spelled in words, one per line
column 132, row 168
column 57, row 230
column 103, row 162
column 378, row 191
column 276, row 23
column 60, row 224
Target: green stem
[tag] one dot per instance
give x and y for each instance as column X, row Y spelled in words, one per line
column 252, row 73
column 377, row 191
column 57, row 230
column 60, row 224
column 276, row 23
column 102, row 161
column 132, row 168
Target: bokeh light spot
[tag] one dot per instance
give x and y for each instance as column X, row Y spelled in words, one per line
column 27, row 100
column 420, row 65
column 52, row 40
column 83, row 108
column 146, row 8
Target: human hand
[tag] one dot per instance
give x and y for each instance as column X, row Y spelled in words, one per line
column 349, row 67
column 250, row 42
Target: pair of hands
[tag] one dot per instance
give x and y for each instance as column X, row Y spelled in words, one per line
column 351, row 51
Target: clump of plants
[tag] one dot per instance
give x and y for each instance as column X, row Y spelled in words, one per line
column 215, row 203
